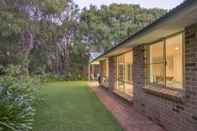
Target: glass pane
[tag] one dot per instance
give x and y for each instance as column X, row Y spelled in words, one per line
column 156, row 53
column 128, row 57
column 128, row 62
column 157, row 74
column 104, row 71
column 147, row 65
column 121, row 72
column 107, row 68
column 103, row 68
column 156, row 69
column 174, row 62
column 128, row 71
column 120, row 67
column 124, row 64
column 128, row 89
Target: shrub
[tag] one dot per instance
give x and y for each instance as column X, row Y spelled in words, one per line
column 51, row 77
column 66, row 77
column 17, row 95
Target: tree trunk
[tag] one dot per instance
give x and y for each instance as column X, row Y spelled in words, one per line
column 27, row 47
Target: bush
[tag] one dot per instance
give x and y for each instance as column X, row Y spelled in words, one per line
column 67, row 77
column 51, row 77
column 75, row 75
column 17, row 96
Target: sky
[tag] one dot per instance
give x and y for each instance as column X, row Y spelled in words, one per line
column 165, row 4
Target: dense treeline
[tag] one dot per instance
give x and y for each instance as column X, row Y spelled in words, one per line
column 108, row 25
column 56, row 37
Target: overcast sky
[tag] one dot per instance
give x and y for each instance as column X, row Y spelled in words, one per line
column 166, row 4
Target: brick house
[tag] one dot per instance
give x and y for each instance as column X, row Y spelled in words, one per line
column 156, row 69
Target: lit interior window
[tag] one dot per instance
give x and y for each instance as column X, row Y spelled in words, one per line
column 174, row 62
column 124, row 73
column 157, row 63
column 165, row 62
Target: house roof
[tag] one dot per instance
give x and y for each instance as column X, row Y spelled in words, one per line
column 172, row 22
column 94, row 55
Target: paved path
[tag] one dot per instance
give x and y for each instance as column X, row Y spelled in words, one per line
column 128, row 118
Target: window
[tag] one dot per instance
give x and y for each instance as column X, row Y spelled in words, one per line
column 156, row 63
column 104, row 66
column 174, row 62
column 164, row 63
column 128, row 71
column 128, row 66
column 120, row 68
column 124, row 73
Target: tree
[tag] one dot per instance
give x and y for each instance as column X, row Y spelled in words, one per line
column 53, row 36
column 105, row 27
column 31, row 26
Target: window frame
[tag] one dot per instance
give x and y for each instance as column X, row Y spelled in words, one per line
column 148, row 84
column 124, row 68
column 105, row 69
column 121, row 83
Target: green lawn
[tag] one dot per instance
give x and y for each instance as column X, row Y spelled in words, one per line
column 72, row 106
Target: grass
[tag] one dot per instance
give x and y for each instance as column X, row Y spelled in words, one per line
column 72, row 106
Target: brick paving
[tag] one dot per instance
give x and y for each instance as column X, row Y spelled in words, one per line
column 128, row 118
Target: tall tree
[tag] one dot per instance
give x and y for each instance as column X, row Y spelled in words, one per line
column 31, row 25
column 105, row 27
column 54, row 36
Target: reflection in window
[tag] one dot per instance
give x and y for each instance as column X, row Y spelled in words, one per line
column 165, row 62
column 121, row 68
column 105, row 70
column 174, row 62
column 124, row 73
column 156, row 63
column 128, row 71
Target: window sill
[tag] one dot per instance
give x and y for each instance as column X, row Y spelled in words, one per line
column 166, row 93
column 125, row 82
column 123, row 95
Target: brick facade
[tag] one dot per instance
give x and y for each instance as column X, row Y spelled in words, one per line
column 112, row 73
column 172, row 115
column 138, row 76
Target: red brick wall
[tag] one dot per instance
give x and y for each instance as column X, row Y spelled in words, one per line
column 138, row 76
column 112, row 73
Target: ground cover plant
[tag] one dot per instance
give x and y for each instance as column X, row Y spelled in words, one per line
column 17, row 96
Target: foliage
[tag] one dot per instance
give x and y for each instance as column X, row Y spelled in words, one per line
column 55, row 37
column 17, row 95
column 102, row 28
column 51, row 78
column 32, row 33
column 68, row 77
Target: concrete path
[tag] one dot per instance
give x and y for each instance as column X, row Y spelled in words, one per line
column 128, row 118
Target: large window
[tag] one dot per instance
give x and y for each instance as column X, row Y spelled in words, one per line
column 174, row 62
column 157, row 63
column 104, row 72
column 164, row 63
column 124, row 73
column 104, row 66
column 128, row 66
